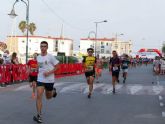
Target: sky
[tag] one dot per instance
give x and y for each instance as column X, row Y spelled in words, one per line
column 141, row 21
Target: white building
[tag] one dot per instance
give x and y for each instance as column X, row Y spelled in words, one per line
column 55, row 45
column 105, row 46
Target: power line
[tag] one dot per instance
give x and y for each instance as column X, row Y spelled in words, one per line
column 60, row 18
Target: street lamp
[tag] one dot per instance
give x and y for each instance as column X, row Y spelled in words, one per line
column 92, row 32
column 118, row 35
column 13, row 15
column 116, row 38
column 96, row 34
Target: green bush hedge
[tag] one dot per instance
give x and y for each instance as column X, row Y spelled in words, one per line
column 67, row 59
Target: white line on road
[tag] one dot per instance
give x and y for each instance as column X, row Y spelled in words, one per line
column 135, row 89
column 157, row 89
column 163, row 114
column 160, row 98
column 161, row 104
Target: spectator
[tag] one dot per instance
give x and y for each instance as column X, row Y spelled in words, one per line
column 6, row 57
column 14, row 58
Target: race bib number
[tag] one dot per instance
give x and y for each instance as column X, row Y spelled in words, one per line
column 33, row 70
column 125, row 64
column 89, row 68
column 115, row 68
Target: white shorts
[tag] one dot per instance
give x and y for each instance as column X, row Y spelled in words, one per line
column 125, row 70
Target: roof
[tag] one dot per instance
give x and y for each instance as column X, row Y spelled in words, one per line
column 99, row 39
column 48, row 37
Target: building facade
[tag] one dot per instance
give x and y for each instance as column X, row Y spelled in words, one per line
column 56, row 45
column 105, row 46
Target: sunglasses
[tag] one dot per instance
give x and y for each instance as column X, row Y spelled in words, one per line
column 43, row 46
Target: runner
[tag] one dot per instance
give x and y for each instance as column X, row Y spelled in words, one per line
column 45, row 81
column 89, row 65
column 98, row 69
column 156, row 65
column 114, row 66
column 125, row 64
column 33, row 72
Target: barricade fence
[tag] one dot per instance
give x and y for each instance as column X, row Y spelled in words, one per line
column 15, row 73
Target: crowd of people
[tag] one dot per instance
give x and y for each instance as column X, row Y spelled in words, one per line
column 9, row 59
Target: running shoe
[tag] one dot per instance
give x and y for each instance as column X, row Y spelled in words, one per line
column 38, row 118
column 54, row 92
column 113, row 91
column 89, row 95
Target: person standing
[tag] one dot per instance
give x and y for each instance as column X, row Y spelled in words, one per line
column 6, row 57
column 14, row 58
column 89, row 66
column 114, row 65
column 47, row 64
column 33, row 72
column 124, row 65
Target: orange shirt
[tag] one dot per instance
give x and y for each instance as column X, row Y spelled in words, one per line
column 33, row 65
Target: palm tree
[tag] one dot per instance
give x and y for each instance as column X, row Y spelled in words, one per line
column 32, row 28
column 22, row 26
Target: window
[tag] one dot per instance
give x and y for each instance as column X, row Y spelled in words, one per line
column 107, row 52
column 107, row 44
column 102, row 43
column 116, row 46
column 102, row 50
column 91, row 46
column 23, row 41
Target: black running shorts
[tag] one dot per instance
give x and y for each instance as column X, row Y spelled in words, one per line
column 115, row 73
column 90, row 73
column 32, row 78
column 47, row 86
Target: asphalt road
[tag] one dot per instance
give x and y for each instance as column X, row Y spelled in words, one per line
column 136, row 102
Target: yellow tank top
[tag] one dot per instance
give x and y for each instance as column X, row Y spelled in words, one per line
column 90, row 62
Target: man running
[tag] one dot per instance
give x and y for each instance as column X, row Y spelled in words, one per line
column 33, row 72
column 89, row 66
column 125, row 64
column 45, row 81
column 98, row 68
column 114, row 66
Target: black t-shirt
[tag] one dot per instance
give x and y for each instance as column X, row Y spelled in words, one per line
column 114, row 61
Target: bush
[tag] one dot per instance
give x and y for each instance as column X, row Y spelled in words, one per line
column 65, row 59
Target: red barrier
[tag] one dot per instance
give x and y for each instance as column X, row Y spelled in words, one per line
column 69, row 70
column 13, row 73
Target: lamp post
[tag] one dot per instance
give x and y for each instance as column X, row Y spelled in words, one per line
column 96, row 34
column 92, row 32
column 13, row 15
column 116, row 38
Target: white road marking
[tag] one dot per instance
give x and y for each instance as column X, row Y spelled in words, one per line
column 163, row 114
column 160, row 98
column 161, row 104
column 134, row 89
column 157, row 89
column 71, row 88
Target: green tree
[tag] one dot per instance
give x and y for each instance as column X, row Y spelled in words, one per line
column 22, row 26
column 32, row 28
column 163, row 48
